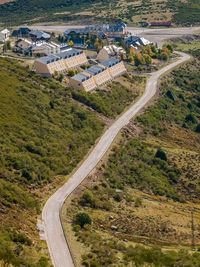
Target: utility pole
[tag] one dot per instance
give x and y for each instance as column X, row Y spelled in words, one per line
column 192, row 228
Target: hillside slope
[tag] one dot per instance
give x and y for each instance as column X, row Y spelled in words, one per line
column 43, row 136
column 141, row 195
column 130, row 11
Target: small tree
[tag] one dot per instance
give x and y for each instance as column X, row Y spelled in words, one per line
column 147, row 59
column 61, row 77
column 88, row 197
column 164, row 55
column 197, row 130
column 190, row 118
column 71, row 43
column 170, row 47
column 161, row 154
column 139, row 59
column 82, row 219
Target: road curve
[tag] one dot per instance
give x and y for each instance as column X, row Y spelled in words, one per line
column 58, row 248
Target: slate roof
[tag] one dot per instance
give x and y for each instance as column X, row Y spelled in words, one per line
column 110, row 62
column 135, row 40
column 48, row 59
column 66, row 54
column 94, row 70
column 80, row 77
column 76, row 30
column 40, row 34
column 69, row 53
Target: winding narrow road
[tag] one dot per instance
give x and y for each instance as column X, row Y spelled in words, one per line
column 58, row 247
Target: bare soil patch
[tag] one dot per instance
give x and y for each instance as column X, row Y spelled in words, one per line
column 62, row 13
column 5, row 1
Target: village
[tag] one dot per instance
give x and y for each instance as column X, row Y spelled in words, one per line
column 85, row 58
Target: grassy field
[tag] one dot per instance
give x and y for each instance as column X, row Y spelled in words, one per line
column 43, row 137
column 188, row 46
column 130, row 11
column 139, row 200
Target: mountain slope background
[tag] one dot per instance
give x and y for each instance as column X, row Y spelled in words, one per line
column 180, row 12
column 44, row 134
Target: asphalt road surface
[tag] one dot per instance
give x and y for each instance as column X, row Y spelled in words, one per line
column 58, row 247
column 154, row 35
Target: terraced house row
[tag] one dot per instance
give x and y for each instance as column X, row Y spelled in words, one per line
column 98, row 75
column 61, row 62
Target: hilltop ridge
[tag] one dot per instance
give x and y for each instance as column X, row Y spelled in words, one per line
column 131, row 11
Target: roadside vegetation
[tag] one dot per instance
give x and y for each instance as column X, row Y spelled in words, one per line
column 44, row 135
column 148, row 53
column 111, row 99
column 141, row 195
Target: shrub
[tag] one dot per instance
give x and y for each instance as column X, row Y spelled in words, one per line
column 198, row 128
column 171, row 94
column 76, row 228
column 190, row 118
column 161, row 154
column 82, row 219
column 88, row 198
column 138, row 202
column 117, row 197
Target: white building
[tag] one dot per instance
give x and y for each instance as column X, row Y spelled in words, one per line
column 110, row 51
column 4, row 35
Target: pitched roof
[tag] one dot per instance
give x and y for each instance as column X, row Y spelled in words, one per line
column 5, row 31
column 66, row 54
column 40, row 34
column 69, row 53
column 94, row 70
column 48, row 59
column 81, row 77
column 110, row 62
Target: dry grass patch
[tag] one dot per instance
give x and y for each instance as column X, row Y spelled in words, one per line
column 5, row 1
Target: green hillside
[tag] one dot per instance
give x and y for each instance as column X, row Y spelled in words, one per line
column 130, row 11
column 188, row 13
column 43, row 137
column 141, row 194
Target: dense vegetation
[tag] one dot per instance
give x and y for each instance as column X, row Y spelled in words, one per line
column 43, row 10
column 180, row 102
column 147, row 172
column 113, row 98
column 129, row 194
column 43, row 134
column 186, row 12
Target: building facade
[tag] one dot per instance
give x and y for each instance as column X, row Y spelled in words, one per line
column 98, row 75
column 110, row 51
column 4, row 35
column 61, row 62
column 117, row 30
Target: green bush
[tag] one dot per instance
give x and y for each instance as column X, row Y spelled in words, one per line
column 82, row 219
column 198, row 128
column 161, row 154
column 138, row 202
